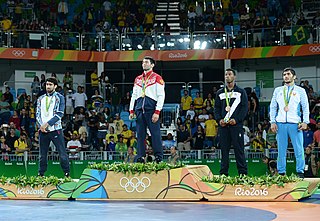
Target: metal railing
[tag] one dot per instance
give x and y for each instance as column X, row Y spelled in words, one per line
column 113, row 40
column 119, row 156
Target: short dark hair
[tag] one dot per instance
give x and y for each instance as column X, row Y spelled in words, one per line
column 232, row 70
column 293, row 72
column 151, row 59
column 52, row 80
column 265, row 157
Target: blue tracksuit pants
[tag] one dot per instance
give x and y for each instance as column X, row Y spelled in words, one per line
column 144, row 122
column 58, row 140
column 285, row 131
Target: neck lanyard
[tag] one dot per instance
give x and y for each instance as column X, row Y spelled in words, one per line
column 286, row 98
column 144, row 84
column 228, row 99
column 48, row 102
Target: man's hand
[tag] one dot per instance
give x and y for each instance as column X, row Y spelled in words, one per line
column 222, row 123
column 302, row 126
column 43, row 128
column 132, row 116
column 232, row 122
column 274, row 127
column 155, row 118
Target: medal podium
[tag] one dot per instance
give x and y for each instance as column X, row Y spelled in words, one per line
column 179, row 184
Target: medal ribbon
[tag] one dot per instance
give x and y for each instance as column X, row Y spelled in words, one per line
column 286, row 98
column 48, row 103
column 228, row 99
column 144, row 84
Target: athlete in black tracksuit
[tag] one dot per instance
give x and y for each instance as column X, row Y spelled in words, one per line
column 231, row 108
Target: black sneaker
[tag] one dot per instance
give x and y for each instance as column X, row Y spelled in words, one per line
column 67, row 174
column 157, row 159
column 140, row 160
column 40, row 174
column 282, row 174
column 300, row 175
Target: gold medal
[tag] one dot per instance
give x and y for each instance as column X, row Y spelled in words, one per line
column 286, row 108
column 228, row 108
column 143, row 94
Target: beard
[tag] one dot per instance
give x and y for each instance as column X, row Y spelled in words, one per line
column 49, row 90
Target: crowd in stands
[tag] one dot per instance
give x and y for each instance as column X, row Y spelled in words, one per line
column 64, row 20
column 262, row 19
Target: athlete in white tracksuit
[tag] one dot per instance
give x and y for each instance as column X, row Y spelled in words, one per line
column 287, row 120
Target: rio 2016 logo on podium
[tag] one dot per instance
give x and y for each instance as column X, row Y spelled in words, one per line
column 30, row 191
column 251, row 192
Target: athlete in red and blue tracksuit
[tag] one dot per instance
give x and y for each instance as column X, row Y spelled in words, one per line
column 146, row 104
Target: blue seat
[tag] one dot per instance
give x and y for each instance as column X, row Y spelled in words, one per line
column 236, row 29
column 13, row 92
column 20, row 91
column 124, row 115
column 236, row 18
column 194, row 92
column 128, row 123
column 167, row 120
column 133, row 125
column 228, row 29
column 257, row 91
column 107, row 105
column 272, row 19
column 182, row 92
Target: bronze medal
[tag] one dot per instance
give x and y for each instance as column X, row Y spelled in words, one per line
column 286, row 108
column 228, row 108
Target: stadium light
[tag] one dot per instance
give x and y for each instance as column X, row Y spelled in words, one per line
column 200, row 45
column 196, row 44
column 204, row 45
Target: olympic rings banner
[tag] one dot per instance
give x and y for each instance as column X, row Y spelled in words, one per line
column 177, row 55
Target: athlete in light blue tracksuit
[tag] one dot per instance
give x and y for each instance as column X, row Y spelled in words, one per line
column 285, row 116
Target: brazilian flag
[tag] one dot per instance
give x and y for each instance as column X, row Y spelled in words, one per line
column 300, row 35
